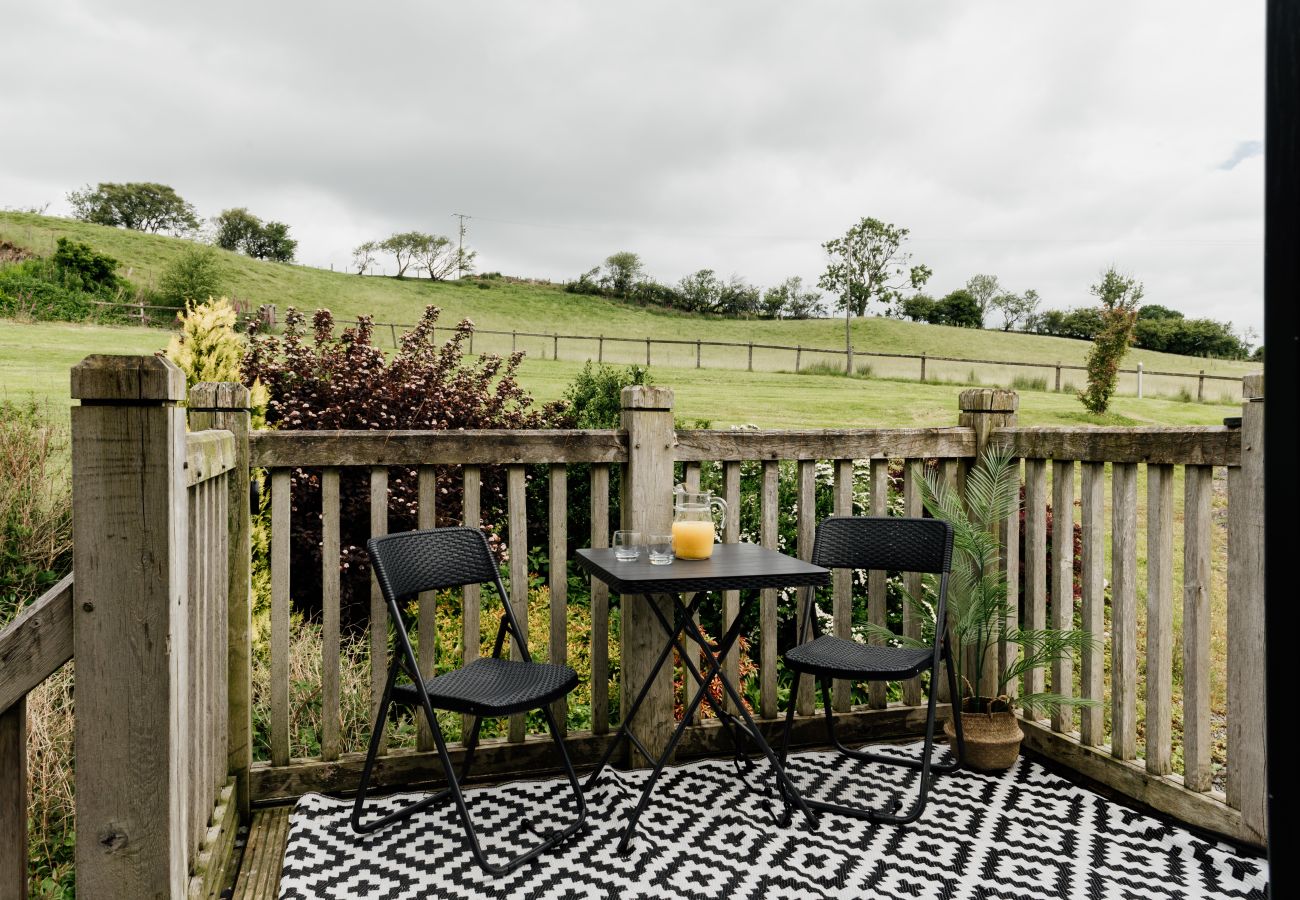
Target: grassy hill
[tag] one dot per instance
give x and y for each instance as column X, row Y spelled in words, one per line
column 547, row 308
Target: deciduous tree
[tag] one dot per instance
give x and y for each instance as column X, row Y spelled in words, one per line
column 363, row 255
column 622, row 270
column 984, row 289
column 1016, row 309
column 1119, row 295
column 140, row 206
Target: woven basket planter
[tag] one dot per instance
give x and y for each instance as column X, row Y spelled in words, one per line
column 992, row 739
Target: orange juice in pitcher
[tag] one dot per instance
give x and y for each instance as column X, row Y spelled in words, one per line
column 693, row 531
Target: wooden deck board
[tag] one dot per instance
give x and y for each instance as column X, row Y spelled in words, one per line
column 259, row 873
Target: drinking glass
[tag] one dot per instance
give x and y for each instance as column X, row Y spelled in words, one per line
column 661, row 549
column 627, row 545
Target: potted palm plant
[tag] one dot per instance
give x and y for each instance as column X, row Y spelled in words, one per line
column 979, row 617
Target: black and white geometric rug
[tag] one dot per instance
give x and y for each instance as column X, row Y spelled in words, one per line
column 1023, row 834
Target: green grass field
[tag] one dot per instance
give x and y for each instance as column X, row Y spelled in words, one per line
column 546, row 308
column 35, row 359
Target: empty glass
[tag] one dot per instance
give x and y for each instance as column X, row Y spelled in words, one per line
column 627, row 545
column 661, row 549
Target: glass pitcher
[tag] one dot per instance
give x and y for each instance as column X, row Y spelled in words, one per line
column 693, row 531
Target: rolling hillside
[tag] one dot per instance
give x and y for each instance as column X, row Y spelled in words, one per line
column 547, row 308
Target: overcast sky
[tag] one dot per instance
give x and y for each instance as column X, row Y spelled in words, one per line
column 1039, row 142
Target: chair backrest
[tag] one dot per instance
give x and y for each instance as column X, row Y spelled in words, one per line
column 412, row 561
column 884, row 542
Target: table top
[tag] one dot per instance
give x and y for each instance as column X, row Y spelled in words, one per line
column 732, row 567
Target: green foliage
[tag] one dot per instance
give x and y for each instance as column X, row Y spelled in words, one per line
column 958, row 308
column 791, row 300
column 1189, row 337
column 1016, row 309
column 80, row 264
column 622, row 270
column 977, row 607
column 139, row 206
column 1156, row 311
column 193, row 276
column 593, row 398
column 1029, row 383
column 1120, row 296
column 433, row 254
column 234, row 227
column 363, row 255
column 868, row 265
column 984, row 290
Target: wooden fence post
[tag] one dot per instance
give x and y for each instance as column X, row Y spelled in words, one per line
column 1247, row 764
column 751, row 356
column 13, row 800
column 225, row 405
column 129, row 634
column 647, row 507
column 923, row 367
column 1058, row 376
column 1200, row 387
column 984, row 409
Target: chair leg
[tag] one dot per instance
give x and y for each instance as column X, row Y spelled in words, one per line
column 955, row 695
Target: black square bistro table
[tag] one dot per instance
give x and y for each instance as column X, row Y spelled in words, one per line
column 732, row 567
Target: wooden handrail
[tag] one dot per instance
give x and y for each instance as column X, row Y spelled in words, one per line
column 207, row 455
column 1191, row 445
column 34, row 645
column 272, row 449
column 858, row 443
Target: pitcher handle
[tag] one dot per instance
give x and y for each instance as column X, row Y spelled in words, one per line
column 722, row 504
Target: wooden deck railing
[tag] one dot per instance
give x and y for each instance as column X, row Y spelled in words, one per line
column 162, row 635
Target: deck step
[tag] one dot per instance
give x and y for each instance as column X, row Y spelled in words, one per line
column 259, row 872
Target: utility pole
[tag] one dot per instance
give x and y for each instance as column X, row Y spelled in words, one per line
column 460, row 247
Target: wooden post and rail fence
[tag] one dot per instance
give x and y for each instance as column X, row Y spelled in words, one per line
column 157, row 618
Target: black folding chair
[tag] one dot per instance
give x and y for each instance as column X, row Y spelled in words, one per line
column 896, row 545
column 406, row 564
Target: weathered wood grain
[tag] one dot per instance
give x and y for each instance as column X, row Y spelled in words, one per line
column 858, row 443
column 1063, row 584
column 414, row 448
column 1247, row 763
column 559, row 581
column 207, row 455
column 1092, row 676
column 1191, row 445
column 426, row 649
column 600, row 636
column 13, row 799
column 517, row 505
column 1009, row 537
column 842, row 583
column 767, row 599
column 280, row 513
column 378, row 608
column 129, row 555
column 1035, row 559
column 913, row 472
column 1198, row 487
column 1160, row 618
column 259, row 871
column 471, row 594
column 731, row 599
column 331, row 718
column 647, row 487
column 1123, row 624
column 36, row 643
column 877, row 579
column 805, row 532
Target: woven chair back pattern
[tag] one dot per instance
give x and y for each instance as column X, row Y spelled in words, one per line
column 889, row 543
column 413, row 561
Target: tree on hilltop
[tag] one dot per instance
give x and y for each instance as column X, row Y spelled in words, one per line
column 137, row 205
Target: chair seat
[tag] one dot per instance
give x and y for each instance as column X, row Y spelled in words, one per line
column 838, row 658
column 493, row 687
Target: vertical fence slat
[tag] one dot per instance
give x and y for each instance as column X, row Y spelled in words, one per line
column 912, row 507
column 877, row 579
column 1063, row 583
column 426, row 648
column 842, row 582
column 691, row 478
column 1092, row 675
column 517, row 502
column 1247, row 763
column 731, row 599
column 599, row 604
column 470, row 635
column 559, row 582
column 280, row 506
column 193, row 675
column 805, row 529
column 378, row 609
column 1198, row 486
column 13, row 800
column 1035, row 559
column 1160, row 617
column 221, row 636
column 767, row 602
column 331, row 740
column 1123, row 610
column 1009, row 535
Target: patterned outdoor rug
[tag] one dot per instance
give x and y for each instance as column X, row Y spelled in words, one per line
column 1023, row 834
